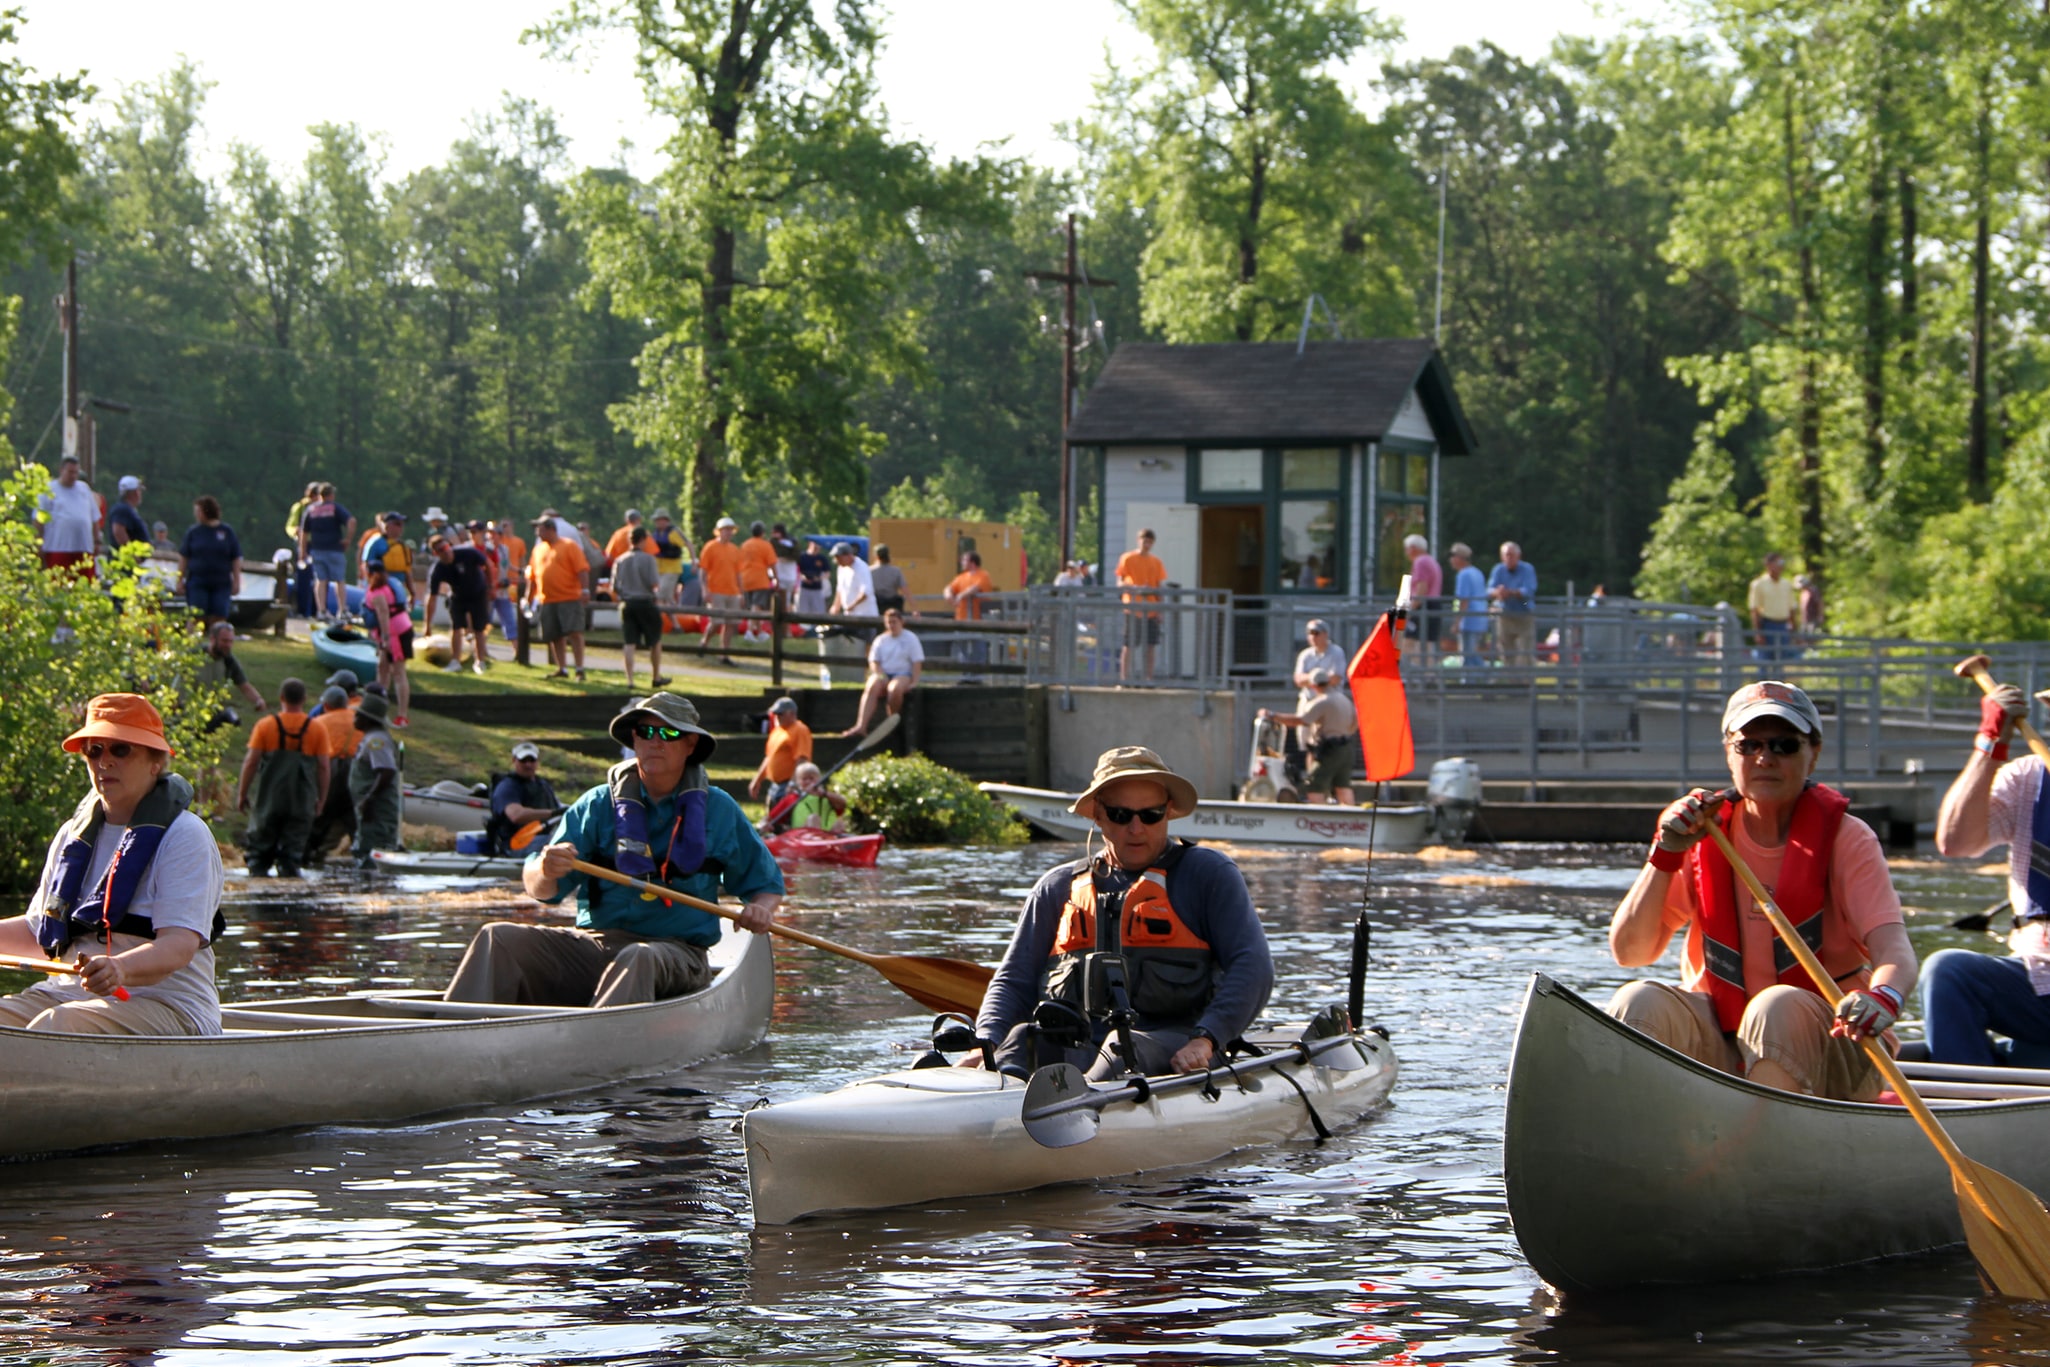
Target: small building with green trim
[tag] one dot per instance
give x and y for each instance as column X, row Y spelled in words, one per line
column 1272, row 469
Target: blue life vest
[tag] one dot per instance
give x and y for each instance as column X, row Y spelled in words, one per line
column 104, row 910
column 683, row 852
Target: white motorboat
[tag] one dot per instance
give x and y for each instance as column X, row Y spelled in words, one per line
column 930, row 1134
column 1391, row 829
column 363, row 1057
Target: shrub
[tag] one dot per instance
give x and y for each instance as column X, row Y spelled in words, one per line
column 68, row 639
column 914, row 801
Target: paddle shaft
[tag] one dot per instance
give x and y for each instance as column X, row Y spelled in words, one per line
column 672, row 895
column 51, row 966
column 1875, row 1048
column 2029, row 733
column 867, row 742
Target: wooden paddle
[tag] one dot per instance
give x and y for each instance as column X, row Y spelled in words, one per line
column 51, row 966
column 2006, row 1226
column 934, row 983
column 1974, row 668
column 874, row 738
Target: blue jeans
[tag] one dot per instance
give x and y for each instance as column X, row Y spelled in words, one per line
column 1965, row 994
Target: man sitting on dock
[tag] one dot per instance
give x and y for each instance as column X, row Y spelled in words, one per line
column 1737, row 1008
column 657, row 818
column 1158, row 931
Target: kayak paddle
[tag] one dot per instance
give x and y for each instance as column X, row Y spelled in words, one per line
column 1974, row 668
column 868, row 742
column 50, row 966
column 934, row 983
column 2006, row 1226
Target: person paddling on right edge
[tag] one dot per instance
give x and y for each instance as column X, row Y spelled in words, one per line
column 1736, row 1009
column 1177, row 917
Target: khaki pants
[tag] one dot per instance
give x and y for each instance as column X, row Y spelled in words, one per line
column 525, row 965
column 1788, row 1025
column 45, row 1008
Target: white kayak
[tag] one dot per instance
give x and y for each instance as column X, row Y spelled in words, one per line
column 445, row 864
column 449, row 805
column 932, row 1134
column 1391, row 829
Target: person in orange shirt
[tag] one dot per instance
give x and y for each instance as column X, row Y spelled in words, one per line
column 789, row 745
column 965, row 592
column 1141, row 569
column 556, row 585
column 719, row 566
column 284, row 776
column 758, row 577
column 337, row 814
column 622, row 540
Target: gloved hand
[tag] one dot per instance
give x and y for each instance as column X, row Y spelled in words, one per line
column 1682, row 825
column 2000, row 710
column 1863, row 1014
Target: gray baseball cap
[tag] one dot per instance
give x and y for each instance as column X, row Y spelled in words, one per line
column 1771, row 698
column 783, row 705
column 335, row 696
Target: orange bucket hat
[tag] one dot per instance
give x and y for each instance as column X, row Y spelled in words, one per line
column 120, row 716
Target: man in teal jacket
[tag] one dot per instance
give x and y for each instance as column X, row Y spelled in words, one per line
column 658, row 819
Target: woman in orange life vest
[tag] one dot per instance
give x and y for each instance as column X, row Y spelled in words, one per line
column 1196, row 962
column 1736, row 1009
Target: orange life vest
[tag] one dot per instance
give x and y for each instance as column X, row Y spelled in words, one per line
column 1169, row 969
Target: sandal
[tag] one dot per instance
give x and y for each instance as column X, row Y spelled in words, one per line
column 559, row 674
column 580, row 676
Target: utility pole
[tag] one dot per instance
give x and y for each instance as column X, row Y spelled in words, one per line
column 67, row 322
column 1068, row 279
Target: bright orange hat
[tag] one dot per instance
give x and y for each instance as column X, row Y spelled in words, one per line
column 120, row 716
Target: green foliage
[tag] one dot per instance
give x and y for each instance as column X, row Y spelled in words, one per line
column 38, row 149
column 69, row 640
column 1703, row 549
column 1990, row 562
column 914, row 801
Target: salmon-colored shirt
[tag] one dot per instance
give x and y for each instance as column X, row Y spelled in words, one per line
column 558, row 571
column 1860, row 897
column 340, row 728
column 969, row 609
column 788, row 746
column 758, row 564
column 269, row 734
column 719, row 566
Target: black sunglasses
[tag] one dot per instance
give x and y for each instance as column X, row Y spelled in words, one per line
column 1118, row 816
column 1786, row 747
column 648, row 730
column 120, row 749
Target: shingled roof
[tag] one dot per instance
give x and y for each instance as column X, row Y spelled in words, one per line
column 1259, row 393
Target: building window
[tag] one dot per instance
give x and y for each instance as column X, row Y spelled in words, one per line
column 1233, row 472
column 1402, row 508
column 1271, row 521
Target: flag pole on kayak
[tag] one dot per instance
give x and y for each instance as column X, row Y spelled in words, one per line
column 1387, row 748
column 935, row 983
column 2006, row 1226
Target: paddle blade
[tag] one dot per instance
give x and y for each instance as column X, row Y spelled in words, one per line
column 936, row 984
column 1052, row 1117
column 2008, row 1231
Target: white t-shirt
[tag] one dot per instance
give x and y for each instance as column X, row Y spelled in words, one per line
column 72, row 514
column 852, row 581
column 1331, row 658
column 895, row 655
column 182, row 890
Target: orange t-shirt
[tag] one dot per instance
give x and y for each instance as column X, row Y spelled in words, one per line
column 558, row 570
column 269, row 734
column 719, row 565
column 787, row 746
column 620, row 542
column 515, row 551
column 758, row 565
column 339, row 726
column 1142, row 570
column 970, row 609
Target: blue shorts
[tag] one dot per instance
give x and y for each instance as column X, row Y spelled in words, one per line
column 210, row 602
column 332, row 566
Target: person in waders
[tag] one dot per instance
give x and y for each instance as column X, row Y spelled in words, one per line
column 374, row 781
column 283, row 784
column 336, row 718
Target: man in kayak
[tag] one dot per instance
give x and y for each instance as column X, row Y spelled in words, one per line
column 1737, row 1008
column 1965, row 993
column 518, row 800
column 1165, row 925
column 657, row 818
column 130, row 894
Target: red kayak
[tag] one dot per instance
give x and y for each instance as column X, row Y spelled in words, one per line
column 806, row 842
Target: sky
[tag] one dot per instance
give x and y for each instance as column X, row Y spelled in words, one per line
column 957, row 74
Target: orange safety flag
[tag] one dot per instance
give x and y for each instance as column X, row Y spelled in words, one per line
column 1376, row 678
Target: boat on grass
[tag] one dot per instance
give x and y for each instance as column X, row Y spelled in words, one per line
column 806, row 844
column 446, row 863
column 364, row 1057
column 1391, row 829
column 450, row 805
column 341, row 647
column 1629, row 1164
column 935, row 1134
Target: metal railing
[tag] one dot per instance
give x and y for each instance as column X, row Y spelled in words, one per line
column 1172, row 638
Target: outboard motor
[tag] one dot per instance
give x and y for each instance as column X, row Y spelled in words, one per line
column 1454, row 795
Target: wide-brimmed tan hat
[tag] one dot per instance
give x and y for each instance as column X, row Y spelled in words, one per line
column 1136, row 761
column 669, row 709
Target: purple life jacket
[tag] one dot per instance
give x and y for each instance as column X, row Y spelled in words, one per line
column 70, row 911
column 683, row 853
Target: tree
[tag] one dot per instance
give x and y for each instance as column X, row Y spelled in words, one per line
column 754, row 252
column 39, row 152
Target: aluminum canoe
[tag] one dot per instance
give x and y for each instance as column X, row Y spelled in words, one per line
column 933, row 1134
column 362, row 1058
column 1393, row 829
column 449, row 805
column 1629, row 1164
column 444, row 863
